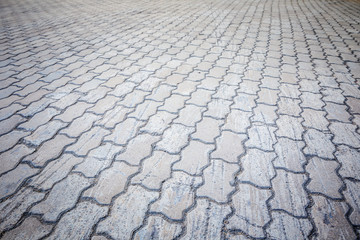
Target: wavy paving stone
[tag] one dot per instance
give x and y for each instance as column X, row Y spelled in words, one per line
column 285, row 226
column 261, row 136
column 127, row 213
column 219, row 181
column 78, row 223
column 348, row 157
column 290, row 194
column 174, row 138
column 181, row 101
column 177, row 195
column 31, row 228
column 323, row 177
column 203, row 131
column 111, row 181
column 10, row 181
column 49, row 151
column 12, row 209
column 124, row 131
column 133, row 154
column 155, row 170
column 250, row 210
column 329, row 218
column 229, row 146
column 289, row 155
column 345, row 134
column 12, row 157
column 318, row 144
column 54, row 172
column 62, row 196
column 352, row 196
column 158, row 228
column 205, row 221
column 194, row 158
column 88, row 141
column 237, row 121
column 256, row 168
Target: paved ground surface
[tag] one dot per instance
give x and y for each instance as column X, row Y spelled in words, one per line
column 208, row 119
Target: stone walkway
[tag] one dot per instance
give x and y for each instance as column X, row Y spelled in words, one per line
column 185, row 119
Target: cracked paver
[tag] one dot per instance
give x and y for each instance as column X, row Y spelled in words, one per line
column 222, row 119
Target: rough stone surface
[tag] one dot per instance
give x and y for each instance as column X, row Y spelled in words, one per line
column 160, row 119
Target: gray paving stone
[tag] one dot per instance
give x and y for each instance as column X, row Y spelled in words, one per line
column 219, row 181
column 177, row 195
column 13, row 208
column 78, row 223
column 200, row 226
column 174, row 138
column 318, row 144
column 31, row 228
column 62, row 196
column 256, row 168
column 250, row 210
column 345, row 134
column 288, row 227
column 328, row 182
column 261, row 136
column 289, row 193
column 329, row 218
column 229, row 146
column 125, row 215
column 155, row 170
column 348, row 157
column 105, row 189
column 158, row 228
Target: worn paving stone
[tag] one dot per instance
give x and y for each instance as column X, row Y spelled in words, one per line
column 48, row 151
column 218, row 181
column 62, row 196
column 194, row 158
column 155, row 170
column 203, row 131
column 348, row 157
column 237, row 121
column 323, row 177
column 105, row 189
column 229, row 146
column 133, row 154
column 78, row 223
column 318, row 144
column 45, row 132
column 13, row 208
column 12, row 180
column 289, row 127
column 329, row 218
column 31, row 228
column 256, row 168
column 200, row 225
column 124, row 131
column 177, row 195
column 174, row 138
column 289, row 155
column 250, row 210
column 285, row 226
column 352, row 196
column 345, row 134
column 158, row 228
column 12, row 157
column 261, row 136
column 125, row 216
column 54, row 172
column 290, row 194
column 88, row 141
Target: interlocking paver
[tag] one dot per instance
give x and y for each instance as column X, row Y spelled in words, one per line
column 179, row 119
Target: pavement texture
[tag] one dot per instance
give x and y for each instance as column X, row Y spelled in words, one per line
column 206, row 119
